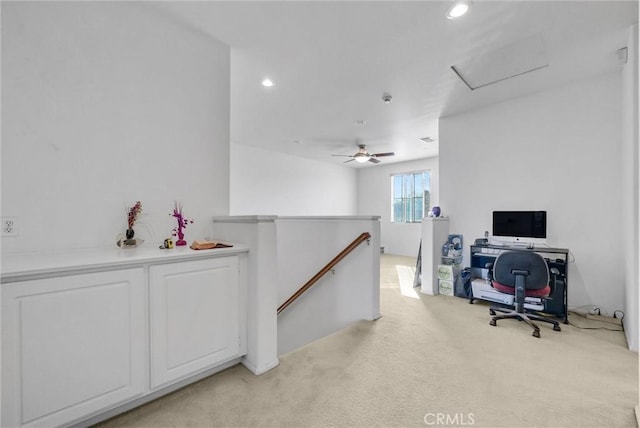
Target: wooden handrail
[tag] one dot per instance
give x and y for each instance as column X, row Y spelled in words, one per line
column 359, row 240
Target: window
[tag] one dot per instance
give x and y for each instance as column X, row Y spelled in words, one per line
column 411, row 196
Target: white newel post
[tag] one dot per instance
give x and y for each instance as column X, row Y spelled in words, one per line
column 435, row 231
column 259, row 234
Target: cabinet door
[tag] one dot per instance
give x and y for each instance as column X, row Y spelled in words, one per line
column 194, row 317
column 71, row 345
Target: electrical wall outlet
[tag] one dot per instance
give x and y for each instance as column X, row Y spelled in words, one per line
column 9, row 226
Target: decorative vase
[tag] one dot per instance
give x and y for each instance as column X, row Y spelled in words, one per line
column 180, row 242
column 127, row 240
column 129, row 233
column 130, row 242
column 435, row 211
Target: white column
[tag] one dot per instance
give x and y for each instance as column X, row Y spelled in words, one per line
column 259, row 234
column 435, row 231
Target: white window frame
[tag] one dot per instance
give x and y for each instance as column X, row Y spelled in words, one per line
column 410, row 198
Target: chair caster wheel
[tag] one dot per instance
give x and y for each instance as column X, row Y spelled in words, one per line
column 492, row 322
column 492, row 312
column 536, row 333
column 556, row 328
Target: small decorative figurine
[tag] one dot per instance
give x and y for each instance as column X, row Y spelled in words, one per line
column 182, row 224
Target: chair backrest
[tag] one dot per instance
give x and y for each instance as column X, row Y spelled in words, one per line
column 531, row 262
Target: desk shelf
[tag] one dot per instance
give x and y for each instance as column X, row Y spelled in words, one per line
column 556, row 304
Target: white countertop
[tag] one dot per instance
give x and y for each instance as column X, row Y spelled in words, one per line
column 49, row 262
column 273, row 218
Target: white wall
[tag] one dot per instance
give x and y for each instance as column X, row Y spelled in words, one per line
column 374, row 198
column 630, row 187
column 105, row 103
column 558, row 151
column 270, row 183
column 350, row 292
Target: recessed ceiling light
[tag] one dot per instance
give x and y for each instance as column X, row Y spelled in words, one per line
column 458, row 9
column 267, row 82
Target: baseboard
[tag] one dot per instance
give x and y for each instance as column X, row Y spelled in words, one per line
column 375, row 317
column 262, row 369
column 105, row 414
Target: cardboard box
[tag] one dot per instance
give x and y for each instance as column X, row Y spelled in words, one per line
column 448, row 272
column 445, row 287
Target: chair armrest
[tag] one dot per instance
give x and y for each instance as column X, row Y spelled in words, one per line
column 489, row 266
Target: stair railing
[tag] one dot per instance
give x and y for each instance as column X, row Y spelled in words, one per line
column 349, row 248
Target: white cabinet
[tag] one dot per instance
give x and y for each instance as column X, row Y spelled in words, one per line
column 88, row 335
column 72, row 345
column 195, row 317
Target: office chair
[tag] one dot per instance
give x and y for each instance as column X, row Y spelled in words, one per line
column 523, row 274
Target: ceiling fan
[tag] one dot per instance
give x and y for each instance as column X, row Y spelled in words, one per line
column 363, row 156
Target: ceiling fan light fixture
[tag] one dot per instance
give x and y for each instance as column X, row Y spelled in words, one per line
column 362, row 155
column 458, row 9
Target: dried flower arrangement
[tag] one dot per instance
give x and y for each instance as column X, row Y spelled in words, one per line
column 134, row 212
column 182, row 224
column 132, row 217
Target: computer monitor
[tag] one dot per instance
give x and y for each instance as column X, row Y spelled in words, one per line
column 513, row 227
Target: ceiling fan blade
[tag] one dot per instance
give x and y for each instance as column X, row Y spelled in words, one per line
column 379, row 155
column 374, row 160
column 350, row 160
column 348, row 156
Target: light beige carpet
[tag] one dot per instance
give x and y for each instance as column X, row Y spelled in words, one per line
column 429, row 361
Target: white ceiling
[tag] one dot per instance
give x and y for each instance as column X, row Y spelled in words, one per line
column 332, row 61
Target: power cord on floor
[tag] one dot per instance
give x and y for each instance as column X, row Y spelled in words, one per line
column 595, row 328
column 585, row 309
column 594, row 310
column 621, row 318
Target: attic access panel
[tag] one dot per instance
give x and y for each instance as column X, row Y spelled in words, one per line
column 520, row 57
